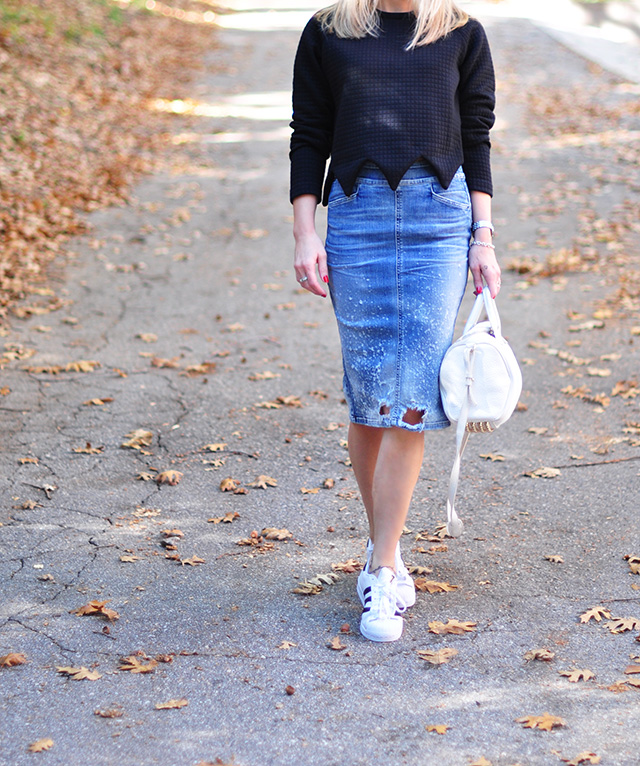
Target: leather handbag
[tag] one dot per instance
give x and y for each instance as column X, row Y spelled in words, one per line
column 480, row 384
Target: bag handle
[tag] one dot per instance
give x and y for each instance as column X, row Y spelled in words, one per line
column 484, row 300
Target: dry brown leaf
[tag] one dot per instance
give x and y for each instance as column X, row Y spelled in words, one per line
column 456, row 627
column 546, row 722
column 544, row 472
column 287, row 645
column 193, row 561
column 437, row 657
column 493, row 456
column 418, row 570
column 162, row 363
column 584, row 757
column 29, row 505
column 554, row 558
column 623, row 624
column 626, row 389
column 171, row 704
column 26, row 460
column 147, row 337
column 271, row 533
column 12, row 659
column 431, row 586
column 229, row 484
column 577, row 675
column 170, row 477
column 336, row 644
column 98, row 608
column 437, row 728
column 137, row 439
column 348, row 567
column 307, row 588
column 328, row 483
column 539, row 430
column 40, row 745
column 217, row 447
column 596, row 613
column 109, row 713
column 263, row 482
column 289, row 401
column 79, row 674
column 204, row 368
column 137, row 664
column 88, row 450
column 228, row 518
column 309, row 491
column 82, row 365
column 98, row 402
column 172, row 533
column 632, row 669
column 482, row 761
column 128, row 558
column 598, row 372
column 544, row 655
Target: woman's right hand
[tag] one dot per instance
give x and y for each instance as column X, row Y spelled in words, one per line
column 310, row 261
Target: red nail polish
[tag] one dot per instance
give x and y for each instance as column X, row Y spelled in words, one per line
column 325, row 279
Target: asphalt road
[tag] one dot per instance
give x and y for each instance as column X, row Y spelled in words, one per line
column 185, row 304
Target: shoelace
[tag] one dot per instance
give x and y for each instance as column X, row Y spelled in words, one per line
column 383, row 599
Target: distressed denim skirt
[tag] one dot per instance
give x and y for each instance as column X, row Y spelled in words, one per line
column 397, row 272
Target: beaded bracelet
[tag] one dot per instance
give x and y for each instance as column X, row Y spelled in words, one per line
column 482, row 244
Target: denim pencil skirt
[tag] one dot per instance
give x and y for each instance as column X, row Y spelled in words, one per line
column 397, row 265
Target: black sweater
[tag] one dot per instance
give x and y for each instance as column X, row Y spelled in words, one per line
column 369, row 99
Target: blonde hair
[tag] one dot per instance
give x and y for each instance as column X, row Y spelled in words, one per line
column 358, row 18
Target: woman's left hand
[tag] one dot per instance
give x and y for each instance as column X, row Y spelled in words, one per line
column 484, row 267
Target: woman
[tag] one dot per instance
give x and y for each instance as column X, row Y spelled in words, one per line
column 400, row 95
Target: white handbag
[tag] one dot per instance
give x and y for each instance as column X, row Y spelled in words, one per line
column 480, row 384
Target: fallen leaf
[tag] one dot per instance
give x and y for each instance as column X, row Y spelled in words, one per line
column 171, row 704
column 82, row 365
column 88, row 449
column 109, row 713
column 431, row 586
column 136, row 664
column 271, row 533
column 328, row 483
column 632, row 670
column 287, row 645
column 598, row 372
column 543, row 655
column 218, row 447
column 98, row 402
column 128, row 558
column 417, row 570
column 544, row 472
column 623, row 624
column 596, row 613
column 193, row 561
column 29, row 505
column 162, row 363
column 12, row 659
column 145, row 476
column 577, row 675
column 40, row 745
column 545, row 722
column 289, row 690
column 554, row 558
column 494, row 457
column 137, row 439
column 25, row 460
column 539, row 430
column 455, row 627
column 584, row 757
column 170, row 477
column 348, row 567
column 482, row 761
column 438, row 728
column 147, row 337
column 309, row 491
column 229, row 485
column 263, row 482
column 226, row 519
column 336, row 644
column 437, row 657
column 98, row 608
column 79, row 674
column 307, row 588
column 289, row 401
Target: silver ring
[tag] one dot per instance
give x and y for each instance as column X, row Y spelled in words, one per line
column 303, row 279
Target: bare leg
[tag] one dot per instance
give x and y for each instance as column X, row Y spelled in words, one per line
column 387, row 464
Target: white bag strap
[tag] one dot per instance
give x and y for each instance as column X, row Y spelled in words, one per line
column 484, row 300
column 454, row 525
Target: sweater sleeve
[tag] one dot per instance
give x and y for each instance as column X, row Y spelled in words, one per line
column 477, row 101
column 312, row 116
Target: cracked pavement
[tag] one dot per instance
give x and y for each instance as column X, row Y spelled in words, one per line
column 200, row 258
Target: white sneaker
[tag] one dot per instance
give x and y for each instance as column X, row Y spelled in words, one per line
column 380, row 620
column 405, row 588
